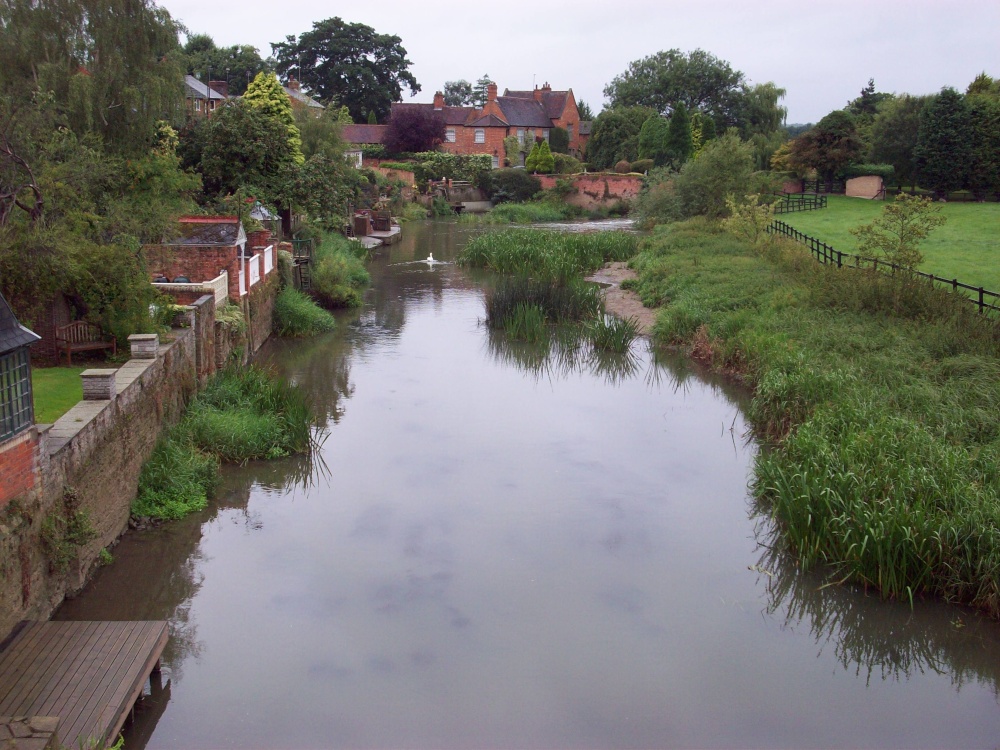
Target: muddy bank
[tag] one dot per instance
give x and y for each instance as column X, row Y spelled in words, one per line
column 623, row 303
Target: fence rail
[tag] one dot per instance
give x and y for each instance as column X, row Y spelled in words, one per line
column 789, row 203
column 984, row 299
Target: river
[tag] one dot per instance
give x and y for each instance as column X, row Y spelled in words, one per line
column 498, row 546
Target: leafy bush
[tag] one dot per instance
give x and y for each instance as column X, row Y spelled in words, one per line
column 658, row 202
column 439, row 165
column 642, row 166
column 286, row 268
column 723, row 168
column 295, row 314
column 510, row 185
column 566, row 164
column 559, row 140
column 623, row 167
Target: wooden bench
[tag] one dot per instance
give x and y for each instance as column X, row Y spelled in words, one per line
column 81, row 336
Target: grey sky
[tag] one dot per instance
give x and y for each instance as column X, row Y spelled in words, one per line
column 823, row 53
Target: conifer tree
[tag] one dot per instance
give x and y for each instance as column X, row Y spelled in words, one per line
column 654, row 140
column 943, row 145
column 531, row 163
column 679, row 143
column 266, row 94
column 546, row 162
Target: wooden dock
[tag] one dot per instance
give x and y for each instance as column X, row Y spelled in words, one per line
column 88, row 674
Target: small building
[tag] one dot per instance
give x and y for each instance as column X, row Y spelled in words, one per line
column 357, row 137
column 300, row 100
column 17, row 410
column 201, row 99
column 208, row 246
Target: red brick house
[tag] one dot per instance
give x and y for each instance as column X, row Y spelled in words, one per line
column 524, row 114
column 207, row 246
column 356, row 136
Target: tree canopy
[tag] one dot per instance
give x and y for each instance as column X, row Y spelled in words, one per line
column 237, row 65
column 266, row 94
column 943, row 150
column 828, row 147
column 348, row 63
column 457, row 93
column 413, row 129
column 615, row 136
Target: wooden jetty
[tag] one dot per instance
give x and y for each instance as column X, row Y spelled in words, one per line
column 388, row 236
column 88, row 674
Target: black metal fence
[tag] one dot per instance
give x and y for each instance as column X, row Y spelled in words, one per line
column 789, row 203
column 984, row 299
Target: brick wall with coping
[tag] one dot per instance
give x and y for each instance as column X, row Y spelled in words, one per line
column 599, row 189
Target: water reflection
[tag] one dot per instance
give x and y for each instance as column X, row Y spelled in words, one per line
column 875, row 639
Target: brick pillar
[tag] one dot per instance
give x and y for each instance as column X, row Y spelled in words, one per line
column 98, row 385
column 144, row 345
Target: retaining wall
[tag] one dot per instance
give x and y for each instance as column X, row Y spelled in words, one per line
column 597, row 190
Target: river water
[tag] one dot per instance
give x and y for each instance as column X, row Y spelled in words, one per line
column 498, row 546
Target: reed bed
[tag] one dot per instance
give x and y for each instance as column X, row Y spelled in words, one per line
column 296, row 314
column 878, row 398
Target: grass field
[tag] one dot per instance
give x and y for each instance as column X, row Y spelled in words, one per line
column 966, row 247
column 56, row 390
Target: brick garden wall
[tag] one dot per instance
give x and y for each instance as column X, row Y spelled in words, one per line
column 596, row 190
column 18, row 466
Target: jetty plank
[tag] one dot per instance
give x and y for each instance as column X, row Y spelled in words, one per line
column 89, row 674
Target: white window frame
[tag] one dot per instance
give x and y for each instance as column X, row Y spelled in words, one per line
column 197, row 105
column 449, row 135
column 545, row 136
column 480, row 135
column 496, row 162
column 520, row 136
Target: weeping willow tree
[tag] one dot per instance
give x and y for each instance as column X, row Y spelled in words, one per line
column 110, row 65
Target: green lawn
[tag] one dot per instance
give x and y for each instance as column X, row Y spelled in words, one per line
column 966, row 247
column 57, row 390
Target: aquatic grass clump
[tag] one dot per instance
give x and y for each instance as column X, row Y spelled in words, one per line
column 559, row 302
column 613, row 335
column 176, row 480
column 295, row 314
column 528, row 213
column 546, row 254
column 526, row 322
column 879, row 399
column 338, row 272
column 240, row 416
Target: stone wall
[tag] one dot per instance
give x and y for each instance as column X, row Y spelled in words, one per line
column 88, row 462
column 597, row 190
column 259, row 310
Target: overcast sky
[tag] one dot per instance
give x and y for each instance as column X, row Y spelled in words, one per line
column 821, row 52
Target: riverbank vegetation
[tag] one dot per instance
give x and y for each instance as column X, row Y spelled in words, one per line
column 241, row 415
column 339, row 274
column 877, row 396
column 295, row 314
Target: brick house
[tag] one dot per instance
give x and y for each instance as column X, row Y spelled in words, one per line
column 202, row 100
column 17, row 411
column 207, row 246
column 302, row 101
column 357, row 136
column 525, row 114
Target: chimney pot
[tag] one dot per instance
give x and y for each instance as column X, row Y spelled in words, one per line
column 221, row 87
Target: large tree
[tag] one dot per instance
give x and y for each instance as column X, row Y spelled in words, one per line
column 944, row 147
column 348, row 63
column 700, row 80
column 413, row 129
column 984, row 126
column 653, row 140
column 615, row 136
column 679, row 143
column 266, row 94
column 108, row 64
column 828, row 147
column 457, row 93
column 894, row 136
column 237, row 65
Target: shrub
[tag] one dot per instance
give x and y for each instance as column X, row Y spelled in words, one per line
column 658, row 202
column 295, row 314
column 531, row 161
column 513, row 185
column 559, row 140
column 623, row 167
column 641, row 166
column 566, row 164
column 886, row 171
column 545, row 164
column 723, row 168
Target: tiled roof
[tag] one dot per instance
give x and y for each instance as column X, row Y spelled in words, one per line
column 198, row 90
column 362, row 134
column 554, row 103
column 523, row 113
column 519, row 94
column 305, row 99
column 224, row 231
column 490, row 121
column 451, row 115
column 585, row 126
column 13, row 335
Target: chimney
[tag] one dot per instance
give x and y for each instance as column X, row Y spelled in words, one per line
column 491, row 92
column 222, row 87
column 538, row 94
column 546, row 88
column 294, row 84
column 438, row 100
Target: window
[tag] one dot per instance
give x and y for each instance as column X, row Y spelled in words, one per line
column 496, row 162
column 531, row 135
column 16, row 413
column 480, row 135
column 520, row 136
column 569, row 129
column 449, row 135
column 197, row 105
column 545, row 135
column 211, row 104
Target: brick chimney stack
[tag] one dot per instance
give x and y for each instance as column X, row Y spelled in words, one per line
column 491, row 92
column 294, row 84
column 538, row 94
column 438, row 100
column 221, row 87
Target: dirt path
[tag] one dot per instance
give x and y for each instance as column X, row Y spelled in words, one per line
column 622, row 302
